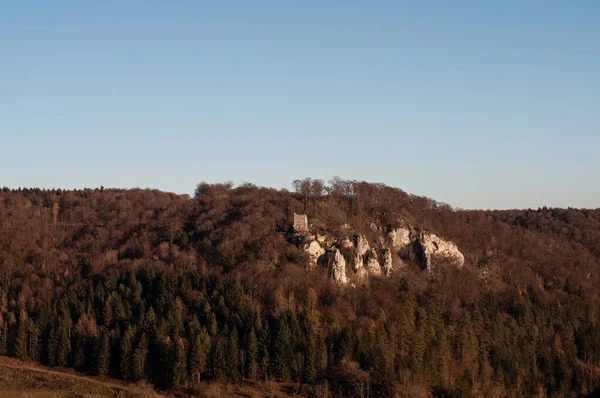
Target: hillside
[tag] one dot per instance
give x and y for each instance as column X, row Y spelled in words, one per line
column 27, row 380
column 377, row 293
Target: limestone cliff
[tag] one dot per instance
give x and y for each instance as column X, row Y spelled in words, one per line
column 315, row 251
column 337, row 265
column 424, row 248
column 428, row 248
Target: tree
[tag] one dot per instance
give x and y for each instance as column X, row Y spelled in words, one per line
column 3, row 335
column 177, row 364
column 282, row 352
column 199, row 350
column 382, row 375
column 59, row 345
column 252, row 356
column 102, row 353
column 140, row 357
column 20, row 344
column 127, row 353
column 233, row 359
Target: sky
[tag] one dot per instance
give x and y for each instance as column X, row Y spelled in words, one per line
column 479, row 104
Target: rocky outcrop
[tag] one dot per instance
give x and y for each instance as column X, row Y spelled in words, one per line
column 362, row 245
column 381, row 257
column 360, row 273
column 373, row 266
column 399, row 237
column 315, row 251
column 338, row 267
column 388, row 267
column 430, row 247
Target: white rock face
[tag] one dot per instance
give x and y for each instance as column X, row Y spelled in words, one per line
column 315, row 251
column 373, row 267
column 338, row 267
column 388, row 267
column 428, row 247
column 399, row 237
column 362, row 245
column 358, row 267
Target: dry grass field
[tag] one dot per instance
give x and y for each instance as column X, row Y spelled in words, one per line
column 25, row 380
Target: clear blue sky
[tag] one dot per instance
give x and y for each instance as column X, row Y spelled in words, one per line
column 481, row 104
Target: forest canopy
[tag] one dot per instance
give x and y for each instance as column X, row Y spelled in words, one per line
column 178, row 290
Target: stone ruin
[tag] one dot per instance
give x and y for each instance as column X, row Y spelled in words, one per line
column 300, row 223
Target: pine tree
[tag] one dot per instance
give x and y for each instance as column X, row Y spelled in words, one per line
column 62, row 341
column 282, row 352
column 263, row 351
column 127, row 353
column 3, row 335
column 140, row 357
column 443, row 357
column 252, row 356
column 177, row 364
column 322, row 357
column 198, row 357
column 218, row 359
column 102, row 354
column 79, row 353
column 310, row 361
column 382, row 374
column 107, row 313
column 233, row 357
column 21, row 338
column 33, row 341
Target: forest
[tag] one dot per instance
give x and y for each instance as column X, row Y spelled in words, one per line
column 182, row 292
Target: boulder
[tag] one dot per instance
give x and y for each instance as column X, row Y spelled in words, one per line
column 338, row 267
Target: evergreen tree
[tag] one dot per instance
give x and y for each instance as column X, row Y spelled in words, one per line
column 322, row 357
column 282, row 352
column 218, row 359
column 62, row 341
column 33, row 341
column 102, row 354
column 177, row 364
column 21, row 338
column 3, row 335
column 382, row 375
column 198, row 357
column 252, row 355
column 127, row 353
column 310, row 361
column 263, row 351
column 233, row 359
column 140, row 357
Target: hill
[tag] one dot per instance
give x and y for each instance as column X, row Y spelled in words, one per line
column 225, row 288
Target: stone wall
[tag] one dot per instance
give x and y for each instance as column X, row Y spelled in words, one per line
column 300, row 223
